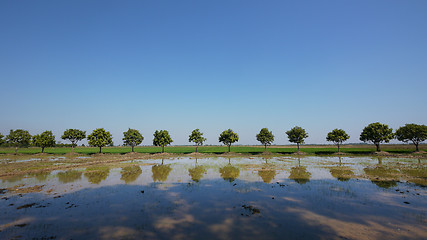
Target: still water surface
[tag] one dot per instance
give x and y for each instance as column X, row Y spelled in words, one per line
column 222, row 198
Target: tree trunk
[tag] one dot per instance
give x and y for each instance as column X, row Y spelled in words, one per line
column 416, row 147
column 163, row 148
column 42, row 149
column 196, row 148
column 100, row 149
column 378, row 147
column 338, row 147
column 132, row 148
column 72, row 148
column 229, row 147
column 298, row 146
column 265, row 148
column 16, row 150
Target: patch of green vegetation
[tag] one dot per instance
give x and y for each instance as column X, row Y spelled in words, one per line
column 254, row 150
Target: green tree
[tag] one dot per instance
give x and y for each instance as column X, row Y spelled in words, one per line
column 377, row 133
column 297, row 135
column 197, row 137
column 43, row 140
column 228, row 137
column 162, row 138
column 1, row 139
column 338, row 136
column 412, row 132
column 100, row 138
column 265, row 137
column 132, row 137
column 73, row 135
column 18, row 138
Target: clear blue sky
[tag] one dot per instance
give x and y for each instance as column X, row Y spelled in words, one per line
column 212, row 65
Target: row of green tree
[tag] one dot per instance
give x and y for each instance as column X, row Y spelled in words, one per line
column 375, row 133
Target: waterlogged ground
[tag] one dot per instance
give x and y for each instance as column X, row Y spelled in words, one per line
column 220, row 198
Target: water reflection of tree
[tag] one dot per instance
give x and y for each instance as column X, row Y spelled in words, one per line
column 130, row 173
column 96, row 174
column 229, row 172
column 41, row 176
column 341, row 173
column 267, row 174
column 300, row 174
column 160, row 172
column 69, row 176
column 13, row 179
column 382, row 176
column 196, row 173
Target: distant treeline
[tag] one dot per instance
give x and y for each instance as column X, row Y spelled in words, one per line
column 375, row 133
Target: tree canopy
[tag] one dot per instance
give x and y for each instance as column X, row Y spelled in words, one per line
column 197, row 137
column 377, row 133
column 228, row 137
column 18, row 138
column 412, row 132
column 338, row 136
column 73, row 135
column 100, row 138
column 43, row 140
column 132, row 137
column 265, row 137
column 1, row 139
column 162, row 138
column 297, row 135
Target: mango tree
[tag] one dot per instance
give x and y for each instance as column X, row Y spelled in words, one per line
column 100, row 138
column 297, row 135
column 338, row 136
column 43, row 140
column 132, row 137
column 412, row 132
column 197, row 137
column 228, row 137
column 18, row 138
column 265, row 137
column 73, row 135
column 377, row 133
column 162, row 138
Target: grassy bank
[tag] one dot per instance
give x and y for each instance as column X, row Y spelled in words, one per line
column 309, row 149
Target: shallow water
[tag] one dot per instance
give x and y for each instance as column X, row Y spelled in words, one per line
column 221, row 198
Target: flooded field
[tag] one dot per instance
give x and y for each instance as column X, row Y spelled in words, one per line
column 220, row 198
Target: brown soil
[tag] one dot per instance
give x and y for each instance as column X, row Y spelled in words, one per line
column 340, row 153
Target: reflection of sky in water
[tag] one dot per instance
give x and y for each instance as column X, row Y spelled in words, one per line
column 260, row 200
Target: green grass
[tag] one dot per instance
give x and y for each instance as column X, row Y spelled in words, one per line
column 211, row 149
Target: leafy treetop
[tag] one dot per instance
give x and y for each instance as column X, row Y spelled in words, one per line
column 1, row 139
column 74, row 135
column 162, row 138
column 132, row 137
column 297, row 135
column 197, row 137
column 412, row 132
column 376, row 133
column 265, row 137
column 100, row 138
column 338, row 136
column 228, row 137
column 43, row 140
